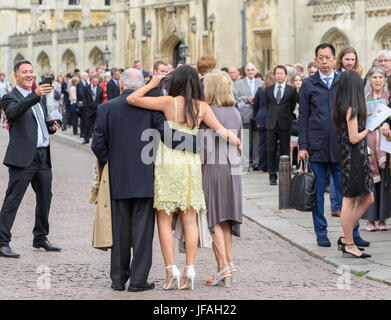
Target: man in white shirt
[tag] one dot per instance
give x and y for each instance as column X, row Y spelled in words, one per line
column 27, row 157
column 244, row 91
column 5, row 86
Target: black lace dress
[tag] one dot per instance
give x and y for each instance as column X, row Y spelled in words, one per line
column 356, row 172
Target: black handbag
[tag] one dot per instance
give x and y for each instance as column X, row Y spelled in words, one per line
column 302, row 194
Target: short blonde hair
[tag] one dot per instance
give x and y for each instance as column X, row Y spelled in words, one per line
column 75, row 81
column 218, row 89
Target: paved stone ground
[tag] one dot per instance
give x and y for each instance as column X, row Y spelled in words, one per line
column 269, row 267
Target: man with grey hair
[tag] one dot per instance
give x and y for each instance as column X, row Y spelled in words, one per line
column 244, row 91
column 384, row 60
column 119, row 139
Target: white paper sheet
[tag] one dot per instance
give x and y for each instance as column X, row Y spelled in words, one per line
column 55, row 115
column 379, row 113
column 385, row 145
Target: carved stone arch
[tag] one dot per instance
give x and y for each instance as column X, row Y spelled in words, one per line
column 95, row 57
column 69, row 61
column 18, row 57
column 337, row 38
column 169, row 43
column 74, row 24
column 43, row 64
column 383, row 38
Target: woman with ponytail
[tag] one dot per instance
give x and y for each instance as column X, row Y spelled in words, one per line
column 178, row 177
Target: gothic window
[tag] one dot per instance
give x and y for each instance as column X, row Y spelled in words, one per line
column 205, row 13
column 336, row 38
column 383, row 38
column 74, row 24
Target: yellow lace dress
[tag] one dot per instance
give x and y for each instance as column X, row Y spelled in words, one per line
column 178, row 176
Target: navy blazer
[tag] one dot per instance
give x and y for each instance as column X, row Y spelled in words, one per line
column 118, row 139
column 80, row 90
column 260, row 109
column 317, row 131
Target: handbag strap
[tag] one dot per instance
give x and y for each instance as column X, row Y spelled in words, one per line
column 305, row 165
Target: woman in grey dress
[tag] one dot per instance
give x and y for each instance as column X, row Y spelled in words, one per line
column 221, row 175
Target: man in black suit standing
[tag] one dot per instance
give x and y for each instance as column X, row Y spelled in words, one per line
column 93, row 96
column 27, row 157
column 119, row 138
column 113, row 86
column 80, row 88
column 281, row 101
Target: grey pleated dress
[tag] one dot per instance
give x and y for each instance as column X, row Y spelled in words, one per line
column 221, row 172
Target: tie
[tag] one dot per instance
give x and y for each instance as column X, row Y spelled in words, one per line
column 42, row 122
column 252, row 87
column 328, row 82
column 94, row 93
column 278, row 97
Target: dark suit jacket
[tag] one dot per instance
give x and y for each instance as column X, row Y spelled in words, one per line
column 64, row 91
column 118, row 139
column 260, row 110
column 90, row 104
column 280, row 114
column 80, row 90
column 317, row 131
column 22, row 146
column 112, row 89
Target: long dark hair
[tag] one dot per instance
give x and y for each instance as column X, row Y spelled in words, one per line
column 184, row 81
column 350, row 94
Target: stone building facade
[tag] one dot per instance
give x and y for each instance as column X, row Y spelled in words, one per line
column 60, row 35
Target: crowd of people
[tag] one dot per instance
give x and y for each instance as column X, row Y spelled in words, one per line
column 320, row 116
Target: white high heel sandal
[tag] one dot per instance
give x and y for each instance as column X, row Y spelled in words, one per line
column 176, row 275
column 189, row 284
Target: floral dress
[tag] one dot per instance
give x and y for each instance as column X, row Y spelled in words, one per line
column 356, row 173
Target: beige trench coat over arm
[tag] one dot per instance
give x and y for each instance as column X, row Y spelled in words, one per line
column 100, row 195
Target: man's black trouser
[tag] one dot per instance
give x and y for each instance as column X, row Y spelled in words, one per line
column 273, row 136
column 39, row 174
column 133, row 223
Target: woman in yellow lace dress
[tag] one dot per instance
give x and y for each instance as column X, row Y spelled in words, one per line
column 178, row 177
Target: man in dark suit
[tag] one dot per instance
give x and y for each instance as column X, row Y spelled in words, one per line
column 280, row 101
column 93, row 96
column 119, row 129
column 318, row 136
column 260, row 112
column 80, row 87
column 27, row 157
column 113, row 87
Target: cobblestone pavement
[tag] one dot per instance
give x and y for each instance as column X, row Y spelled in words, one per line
column 269, row 267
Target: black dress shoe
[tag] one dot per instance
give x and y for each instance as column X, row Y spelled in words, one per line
column 323, row 241
column 8, row 253
column 141, row 287
column 117, row 288
column 46, row 245
column 273, row 182
column 85, row 142
column 360, row 242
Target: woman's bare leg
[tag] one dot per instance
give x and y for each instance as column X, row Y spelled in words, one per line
column 190, row 228
column 166, row 238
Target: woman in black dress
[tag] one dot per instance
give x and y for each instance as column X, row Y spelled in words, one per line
column 350, row 117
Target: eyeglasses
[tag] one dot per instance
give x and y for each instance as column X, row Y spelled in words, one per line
column 385, row 60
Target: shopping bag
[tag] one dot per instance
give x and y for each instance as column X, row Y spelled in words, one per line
column 302, row 194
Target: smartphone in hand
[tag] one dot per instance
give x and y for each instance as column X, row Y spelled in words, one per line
column 48, row 80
